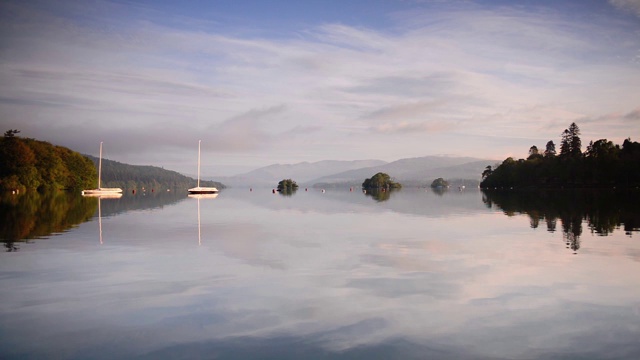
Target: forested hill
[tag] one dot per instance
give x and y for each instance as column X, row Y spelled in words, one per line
column 602, row 165
column 33, row 164
column 125, row 176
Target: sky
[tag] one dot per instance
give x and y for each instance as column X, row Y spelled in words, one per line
column 265, row 82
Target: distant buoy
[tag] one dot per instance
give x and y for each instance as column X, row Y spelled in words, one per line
column 322, row 190
column 350, row 189
column 305, row 189
column 250, row 189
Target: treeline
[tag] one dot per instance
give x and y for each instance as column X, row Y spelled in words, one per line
column 32, row 164
column 602, row 165
column 137, row 177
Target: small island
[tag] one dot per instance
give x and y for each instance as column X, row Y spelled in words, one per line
column 287, row 186
column 380, row 181
column 439, row 183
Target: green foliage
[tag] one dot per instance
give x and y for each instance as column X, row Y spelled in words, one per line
column 287, row 186
column 32, row 164
column 440, row 183
column 33, row 214
column 380, row 181
column 603, row 164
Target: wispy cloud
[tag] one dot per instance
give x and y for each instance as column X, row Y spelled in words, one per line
column 632, row 6
column 452, row 69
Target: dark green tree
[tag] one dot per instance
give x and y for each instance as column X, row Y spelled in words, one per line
column 550, row 150
column 439, row 183
column 287, row 186
column 380, row 181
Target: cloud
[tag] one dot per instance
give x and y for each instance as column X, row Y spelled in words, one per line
column 156, row 84
column 244, row 132
column 632, row 6
column 404, row 127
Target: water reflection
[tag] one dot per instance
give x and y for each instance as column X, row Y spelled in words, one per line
column 198, row 197
column 34, row 215
column 603, row 211
column 379, row 195
column 100, row 197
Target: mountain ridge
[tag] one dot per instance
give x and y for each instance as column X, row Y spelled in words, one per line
column 412, row 171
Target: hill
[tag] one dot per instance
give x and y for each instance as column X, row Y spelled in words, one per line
column 32, row 164
column 116, row 174
column 415, row 171
column 302, row 172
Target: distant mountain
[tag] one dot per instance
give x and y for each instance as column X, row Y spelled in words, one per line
column 415, row 171
column 301, row 172
column 419, row 171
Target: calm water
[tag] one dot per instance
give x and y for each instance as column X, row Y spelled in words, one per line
column 336, row 275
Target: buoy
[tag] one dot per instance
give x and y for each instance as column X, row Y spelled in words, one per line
column 350, row 189
column 322, row 190
column 250, row 189
column 273, row 191
column 305, row 189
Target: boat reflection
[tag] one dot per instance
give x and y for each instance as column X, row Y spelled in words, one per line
column 100, row 197
column 198, row 197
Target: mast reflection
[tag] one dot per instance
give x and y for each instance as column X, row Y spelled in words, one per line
column 198, row 197
column 100, row 197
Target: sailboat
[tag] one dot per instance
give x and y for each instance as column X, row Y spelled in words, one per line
column 198, row 189
column 101, row 190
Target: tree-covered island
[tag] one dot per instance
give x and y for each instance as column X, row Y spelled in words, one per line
column 439, row 183
column 380, row 181
column 602, row 165
column 287, row 186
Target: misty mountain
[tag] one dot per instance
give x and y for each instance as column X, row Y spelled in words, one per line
column 422, row 169
column 409, row 172
column 302, row 172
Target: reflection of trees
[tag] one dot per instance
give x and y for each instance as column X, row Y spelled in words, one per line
column 439, row 190
column 379, row 194
column 603, row 211
column 32, row 214
column 288, row 191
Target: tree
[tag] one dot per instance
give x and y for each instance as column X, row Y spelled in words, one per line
column 439, row 183
column 534, row 153
column 487, row 171
column 287, row 186
column 550, row 150
column 380, row 181
column 11, row 133
column 570, row 147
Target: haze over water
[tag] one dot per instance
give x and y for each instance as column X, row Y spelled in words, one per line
column 335, row 275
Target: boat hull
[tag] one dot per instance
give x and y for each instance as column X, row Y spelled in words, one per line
column 102, row 191
column 203, row 190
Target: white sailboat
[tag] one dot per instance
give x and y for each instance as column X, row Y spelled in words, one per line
column 198, row 189
column 101, row 190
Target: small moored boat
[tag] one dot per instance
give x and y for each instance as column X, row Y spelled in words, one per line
column 101, row 190
column 199, row 189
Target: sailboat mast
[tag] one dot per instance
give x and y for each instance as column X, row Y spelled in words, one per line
column 100, row 166
column 199, row 162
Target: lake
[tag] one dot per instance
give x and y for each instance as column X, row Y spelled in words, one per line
column 412, row 274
